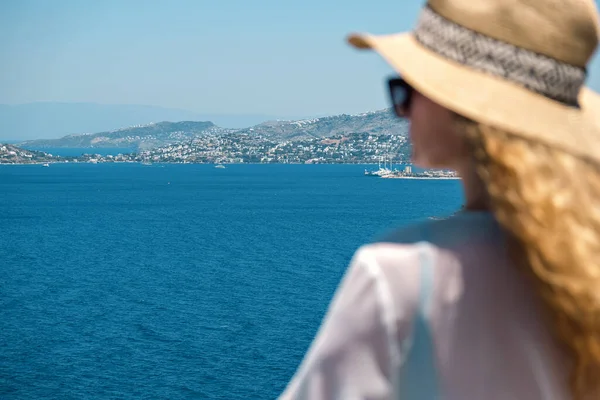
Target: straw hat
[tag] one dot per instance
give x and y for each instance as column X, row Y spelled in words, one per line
column 518, row 65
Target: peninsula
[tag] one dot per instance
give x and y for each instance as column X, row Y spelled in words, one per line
column 367, row 138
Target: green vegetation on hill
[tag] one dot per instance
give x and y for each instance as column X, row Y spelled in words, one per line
column 168, row 133
column 146, row 136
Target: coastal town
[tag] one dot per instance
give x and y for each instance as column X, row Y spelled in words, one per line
column 246, row 149
column 242, row 148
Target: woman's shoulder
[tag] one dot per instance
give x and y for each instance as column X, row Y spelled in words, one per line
column 450, row 246
column 448, row 232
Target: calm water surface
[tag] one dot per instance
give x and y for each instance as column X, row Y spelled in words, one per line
column 180, row 281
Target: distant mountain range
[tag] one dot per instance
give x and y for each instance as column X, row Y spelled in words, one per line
column 375, row 122
column 163, row 133
column 141, row 137
column 49, row 120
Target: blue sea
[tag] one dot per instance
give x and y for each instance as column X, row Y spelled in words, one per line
column 130, row 281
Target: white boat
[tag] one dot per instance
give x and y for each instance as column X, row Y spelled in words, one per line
column 381, row 171
column 219, row 166
column 46, row 165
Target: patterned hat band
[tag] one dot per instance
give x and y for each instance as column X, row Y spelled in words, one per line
column 544, row 75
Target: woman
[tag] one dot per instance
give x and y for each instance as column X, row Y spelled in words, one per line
column 501, row 301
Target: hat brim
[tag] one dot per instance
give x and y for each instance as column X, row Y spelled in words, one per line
column 489, row 99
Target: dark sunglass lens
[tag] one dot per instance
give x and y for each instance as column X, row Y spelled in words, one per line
column 400, row 93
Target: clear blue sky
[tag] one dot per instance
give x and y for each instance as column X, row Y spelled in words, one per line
column 277, row 57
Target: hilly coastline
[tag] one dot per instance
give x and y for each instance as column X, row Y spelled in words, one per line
column 381, row 122
column 160, row 134
column 139, row 137
column 10, row 154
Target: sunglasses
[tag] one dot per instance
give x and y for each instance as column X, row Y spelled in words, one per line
column 401, row 96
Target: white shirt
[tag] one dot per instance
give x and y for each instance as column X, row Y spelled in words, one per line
column 489, row 335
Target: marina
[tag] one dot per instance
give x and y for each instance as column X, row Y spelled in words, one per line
column 407, row 173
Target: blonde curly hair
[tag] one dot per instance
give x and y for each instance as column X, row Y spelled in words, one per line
column 548, row 201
